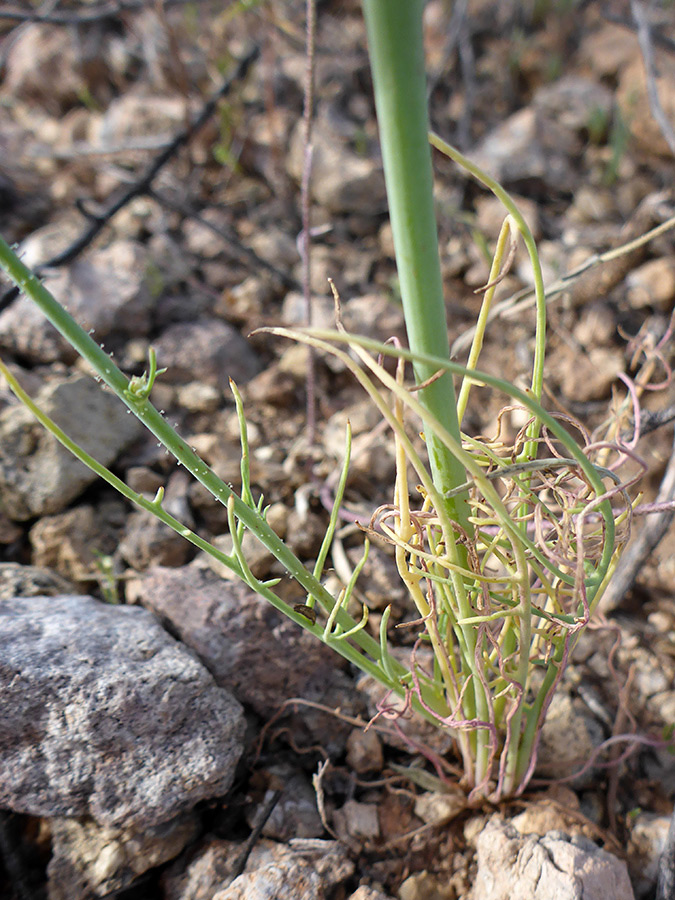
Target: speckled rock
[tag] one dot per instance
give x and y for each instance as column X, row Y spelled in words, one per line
column 30, row 581
column 105, row 715
column 301, row 870
column 208, row 350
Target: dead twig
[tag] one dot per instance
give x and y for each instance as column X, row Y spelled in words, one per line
column 143, row 185
column 644, row 36
column 317, row 783
column 253, row 838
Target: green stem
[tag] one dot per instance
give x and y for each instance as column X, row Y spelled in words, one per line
column 396, row 50
column 134, row 396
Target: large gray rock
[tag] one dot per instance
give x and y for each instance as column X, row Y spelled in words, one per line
column 512, row 866
column 104, row 715
column 37, row 475
column 343, row 181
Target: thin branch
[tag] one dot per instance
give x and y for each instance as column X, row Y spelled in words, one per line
column 650, row 421
column 267, row 811
column 245, row 254
column 644, row 36
column 661, row 40
column 143, row 185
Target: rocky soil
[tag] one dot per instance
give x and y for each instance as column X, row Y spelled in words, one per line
column 164, row 733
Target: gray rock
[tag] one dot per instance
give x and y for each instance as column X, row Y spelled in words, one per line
column 105, row 715
column 105, row 292
column 72, row 542
column 572, row 102
column 137, row 115
column 665, row 888
column 89, row 858
column 368, row 893
column 35, row 54
column 237, row 635
column 208, row 871
column 303, row 870
column 37, row 475
column 148, row 541
column 357, row 822
column 553, row 867
column 208, row 350
column 511, row 151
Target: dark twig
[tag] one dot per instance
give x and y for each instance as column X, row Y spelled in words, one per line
column 143, row 185
column 650, row 421
column 644, row 35
column 245, row 254
column 240, row 864
column 636, row 554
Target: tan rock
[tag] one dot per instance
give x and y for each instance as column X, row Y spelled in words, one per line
column 652, row 284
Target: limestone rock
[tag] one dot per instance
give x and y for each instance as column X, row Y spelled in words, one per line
column 648, row 840
column 30, row 581
column 343, row 181
column 568, row 739
column 303, row 870
column 552, row 867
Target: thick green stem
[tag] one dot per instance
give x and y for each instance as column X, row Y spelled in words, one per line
column 397, row 60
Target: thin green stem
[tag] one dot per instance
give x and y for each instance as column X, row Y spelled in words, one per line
column 138, row 403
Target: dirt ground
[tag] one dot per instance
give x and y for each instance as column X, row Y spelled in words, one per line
column 553, row 98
